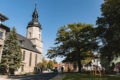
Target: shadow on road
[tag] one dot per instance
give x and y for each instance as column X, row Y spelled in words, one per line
column 44, row 76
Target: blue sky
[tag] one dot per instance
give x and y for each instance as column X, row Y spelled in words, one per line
column 52, row 15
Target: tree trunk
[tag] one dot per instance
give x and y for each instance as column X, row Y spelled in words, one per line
column 79, row 66
column 75, row 66
column 12, row 71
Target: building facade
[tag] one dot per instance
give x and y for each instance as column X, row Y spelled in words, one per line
column 3, row 31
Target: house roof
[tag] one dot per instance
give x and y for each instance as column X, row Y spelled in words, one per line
column 26, row 43
column 5, row 27
column 3, row 17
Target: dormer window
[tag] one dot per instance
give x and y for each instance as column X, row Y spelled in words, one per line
column 21, row 42
column 34, row 46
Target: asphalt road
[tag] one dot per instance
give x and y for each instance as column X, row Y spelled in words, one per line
column 44, row 76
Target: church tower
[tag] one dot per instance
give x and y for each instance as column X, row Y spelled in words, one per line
column 34, row 31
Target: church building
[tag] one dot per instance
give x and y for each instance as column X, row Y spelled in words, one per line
column 31, row 45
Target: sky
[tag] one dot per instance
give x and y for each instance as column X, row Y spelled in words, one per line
column 53, row 14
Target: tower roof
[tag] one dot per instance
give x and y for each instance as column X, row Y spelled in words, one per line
column 34, row 22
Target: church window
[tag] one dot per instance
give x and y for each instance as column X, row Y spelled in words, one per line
column 34, row 46
column 23, row 55
column 36, row 59
column 30, row 34
column 1, row 34
column 30, row 60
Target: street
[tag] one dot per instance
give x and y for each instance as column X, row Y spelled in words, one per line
column 44, row 76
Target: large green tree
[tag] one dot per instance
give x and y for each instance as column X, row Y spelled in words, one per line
column 11, row 57
column 75, row 42
column 109, row 30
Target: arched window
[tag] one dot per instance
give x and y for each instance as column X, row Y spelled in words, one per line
column 23, row 58
column 30, row 59
column 36, row 59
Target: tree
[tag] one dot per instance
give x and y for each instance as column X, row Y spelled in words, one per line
column 11, row 57
column 42, row 65
column 109, row 30
column 75, row 42
column 50, row 64
column 55, row 62
column 45, row 65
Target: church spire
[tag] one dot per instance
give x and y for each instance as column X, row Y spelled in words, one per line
column 34, row 31
column 35, row 14
column 34, row 22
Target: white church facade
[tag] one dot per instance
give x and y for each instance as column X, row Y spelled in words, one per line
column 31, row 45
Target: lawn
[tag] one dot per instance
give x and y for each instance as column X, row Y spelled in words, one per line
column 78, row 76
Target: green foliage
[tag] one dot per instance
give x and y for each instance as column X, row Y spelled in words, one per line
column 50, row 64
column 45, row 65
column 75, row 42
column 109, row 29
column 11, row 57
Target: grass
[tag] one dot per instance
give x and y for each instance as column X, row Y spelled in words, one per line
column 78, row 76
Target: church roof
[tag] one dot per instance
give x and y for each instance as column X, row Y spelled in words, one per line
column 34, row 22
column 26, row 43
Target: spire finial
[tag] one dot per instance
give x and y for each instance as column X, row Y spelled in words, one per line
column 35, row 5
column 35, row 13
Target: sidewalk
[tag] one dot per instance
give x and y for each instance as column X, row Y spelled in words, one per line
column 8, row 79
column 4, row 79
